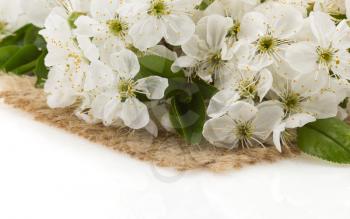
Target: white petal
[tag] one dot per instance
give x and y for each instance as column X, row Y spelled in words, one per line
column 90, row 50
column 220, row 132
column 162, row 51
column 195, row 48
column 87, row 26
column 341, row 65
column 112, row 111
column 242, row 111
column 153, row 87
column 152, row 128
column 125, row 63
column 134, row 114
column 285, row 20
column 341, row 36
column 99, row 76
column 183, row 62
column 347, row 4
column 179, row 29
column 253, row 25
column 99, row 103
column 147, row 33
column 322, row 27
column 299, row 120
column 103, row 9
column 308, row 84
column 265, row 83
column 221, row 101
column 277, row 132
column 264, row 126
column 322, row 106
column 217, row 29
column 302, row 57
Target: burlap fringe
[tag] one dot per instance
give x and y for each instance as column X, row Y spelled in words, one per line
column 165, row 151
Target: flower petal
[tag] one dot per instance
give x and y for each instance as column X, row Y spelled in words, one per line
column 264, row 126
column 147, row 33
column 322, row 106
column 134, row 114
column 253, row 25
column 153, row 87
column 98, row 76
column 125, row 63
column 217, row 29
column 302, row 57
column 322, row 27
column 264, row 84
column 179, row 29
column 221, row 101
column 220, row 132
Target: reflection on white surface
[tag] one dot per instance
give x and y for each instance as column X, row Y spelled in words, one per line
column 46, row 173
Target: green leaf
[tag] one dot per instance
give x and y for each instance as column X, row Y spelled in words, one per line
column 204, row 4
column 31, row 35
column 41, row 71
column 17, row 38
column 7, row 52
column 188, row 118
column 328, row 139
column 26, row 68
column 24, row 56
column 156, row 65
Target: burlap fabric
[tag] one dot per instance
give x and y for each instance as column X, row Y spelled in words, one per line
column 167, row 150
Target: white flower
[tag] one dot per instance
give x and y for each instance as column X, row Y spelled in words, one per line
column 303, row 99
column 268, row 32
column 329, row 53
column 157, row 19
column 234, row 9
column 68, row 66
column 206, row 52
column 332, row 7
column 10, row 13
column 107, row 29
column 244, row 124
column 119, row 89
column 246, row 85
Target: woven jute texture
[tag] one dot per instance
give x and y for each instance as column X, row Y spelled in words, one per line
column 167, row 150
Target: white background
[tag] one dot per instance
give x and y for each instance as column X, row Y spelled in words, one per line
column 46, row 173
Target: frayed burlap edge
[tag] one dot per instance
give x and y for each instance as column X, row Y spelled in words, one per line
column 166, row 150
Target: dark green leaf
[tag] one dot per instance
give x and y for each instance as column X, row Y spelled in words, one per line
column 204, row 4
column 207, row 91
column 26, row 68
column 41, row 71
column 17, row 38
column 156, row 65
column 24, row 56
column 188, row 118
column 31, row 35
column 328, row 139
column 7, row 52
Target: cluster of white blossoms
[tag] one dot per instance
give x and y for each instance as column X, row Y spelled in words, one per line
column 276, row 66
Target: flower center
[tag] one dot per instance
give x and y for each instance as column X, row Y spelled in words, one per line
column 291, row 102
column 215, row 59
column 267, row 44
column 325, row 55
column 117, row 27
column 235, row 29
column 244, row 131
column 3, row 26
column 73, row 17
column 247, row 88
column 126, row 88
column 158, row 8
